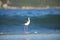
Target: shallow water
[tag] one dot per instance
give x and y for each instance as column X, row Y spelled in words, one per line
column 42, row 21
column 31, row 37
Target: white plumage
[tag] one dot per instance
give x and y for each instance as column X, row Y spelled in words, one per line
column 28, row 22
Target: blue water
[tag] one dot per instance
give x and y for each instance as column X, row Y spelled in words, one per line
column 42, row 21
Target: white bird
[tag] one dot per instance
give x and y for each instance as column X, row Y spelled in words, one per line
column 28, row 22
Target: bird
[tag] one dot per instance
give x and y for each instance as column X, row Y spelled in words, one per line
column 28, row 22
column 26, row 25
column 26, row 28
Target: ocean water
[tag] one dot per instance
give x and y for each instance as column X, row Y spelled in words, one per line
column 46, row 22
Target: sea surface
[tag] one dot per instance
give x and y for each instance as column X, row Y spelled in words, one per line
column 45, row 23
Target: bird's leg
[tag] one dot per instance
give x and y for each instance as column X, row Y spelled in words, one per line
column 26, row 29
column 26, row 32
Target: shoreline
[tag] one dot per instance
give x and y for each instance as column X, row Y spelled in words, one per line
column 9, row 7
column 29, row 33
